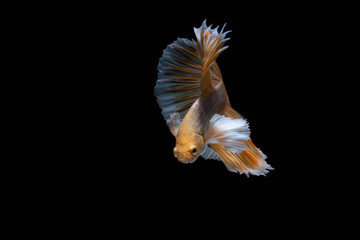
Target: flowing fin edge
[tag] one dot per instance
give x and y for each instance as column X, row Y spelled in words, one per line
column 250, row 161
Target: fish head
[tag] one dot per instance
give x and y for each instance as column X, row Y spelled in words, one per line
column 188, row 148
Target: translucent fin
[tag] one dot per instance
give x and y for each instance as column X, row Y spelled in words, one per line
column 175, row 123
column 250, row 161
column 230, row 133
column 178, row 84
column 230, row 160
column 209, row 153
column 209, row 45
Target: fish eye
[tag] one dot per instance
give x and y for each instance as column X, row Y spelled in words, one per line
column 193, row 149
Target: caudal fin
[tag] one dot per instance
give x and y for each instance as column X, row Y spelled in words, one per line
column 250, row 161
column 209, row 45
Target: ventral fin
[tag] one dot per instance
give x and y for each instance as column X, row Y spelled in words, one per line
column 209, row 153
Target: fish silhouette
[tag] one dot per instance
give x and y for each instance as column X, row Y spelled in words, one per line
column 195, row 105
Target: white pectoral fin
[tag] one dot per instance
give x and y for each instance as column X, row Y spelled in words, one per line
column 230, row 133
column 175, row 122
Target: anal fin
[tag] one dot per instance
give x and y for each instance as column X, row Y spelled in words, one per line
column 250, row 161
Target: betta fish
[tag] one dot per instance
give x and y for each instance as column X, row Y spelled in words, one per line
column 195, row 105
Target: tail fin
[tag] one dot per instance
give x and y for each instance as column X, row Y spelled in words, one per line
column 210, row 43
column 251, row 160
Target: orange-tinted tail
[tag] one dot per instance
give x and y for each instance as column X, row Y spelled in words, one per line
column 250, row 161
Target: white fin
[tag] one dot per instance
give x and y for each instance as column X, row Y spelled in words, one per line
column 210, row 43
column 175, row 122
column 230, row 133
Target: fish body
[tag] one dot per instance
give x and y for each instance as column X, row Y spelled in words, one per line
column 189, row 139
column 194, row 102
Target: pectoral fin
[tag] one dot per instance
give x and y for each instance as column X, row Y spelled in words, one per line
column 175, row 122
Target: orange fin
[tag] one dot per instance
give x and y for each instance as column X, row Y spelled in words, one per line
column 250, row 161
column 209, row 45
column 178, row 84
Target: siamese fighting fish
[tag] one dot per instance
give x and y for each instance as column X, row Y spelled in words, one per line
column 195, row 105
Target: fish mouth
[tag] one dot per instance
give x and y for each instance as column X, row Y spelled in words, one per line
column 186, row 159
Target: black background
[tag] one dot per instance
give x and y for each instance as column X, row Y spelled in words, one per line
column 120, row 149
column 264, row 70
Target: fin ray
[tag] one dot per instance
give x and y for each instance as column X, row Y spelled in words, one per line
column 209, row 45
column 209, row 153
column 232, row 134
column 250, row 161
column 179, row 77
